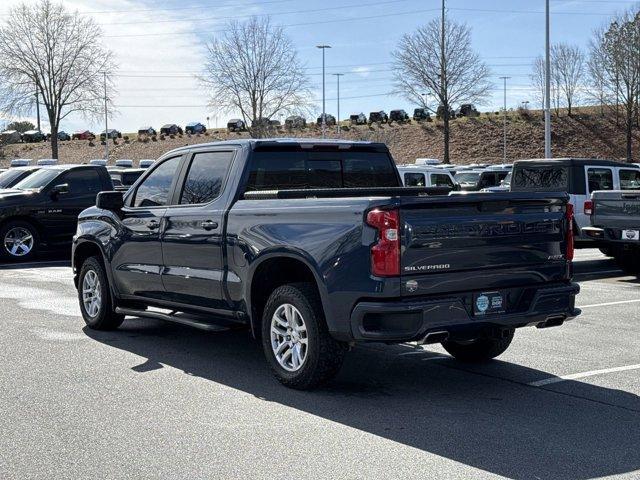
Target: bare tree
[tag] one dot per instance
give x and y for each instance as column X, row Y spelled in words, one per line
column 47, row 50
column 616, row 51
column 569, row 72
column 419, row 62
column 253, row 68
column 598, row 78
column 538, row 80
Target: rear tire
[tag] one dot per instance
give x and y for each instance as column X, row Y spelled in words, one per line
column 94, row 296
column 293, row 323
column 20, row 241
column 628, row 260
column 479, row 350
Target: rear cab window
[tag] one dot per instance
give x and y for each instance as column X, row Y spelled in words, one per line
column 283, row 170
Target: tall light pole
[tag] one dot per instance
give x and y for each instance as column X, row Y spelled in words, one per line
column 324, row 120
column 338, row 75
column 504, row 120
column 38, row 106
column 106, row 120
column 547, row 81
column 443, row 83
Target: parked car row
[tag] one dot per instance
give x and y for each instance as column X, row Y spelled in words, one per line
column 379, row 116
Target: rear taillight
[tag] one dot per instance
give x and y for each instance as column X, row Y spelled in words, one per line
column 570, row 240
column 385, row 254
column 588, row 207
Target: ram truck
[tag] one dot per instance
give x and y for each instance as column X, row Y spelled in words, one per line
column 316, row 246
column 40, row 212
column 615, row 225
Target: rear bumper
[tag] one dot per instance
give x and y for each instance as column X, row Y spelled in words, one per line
column 408, row 320
column 609, row 235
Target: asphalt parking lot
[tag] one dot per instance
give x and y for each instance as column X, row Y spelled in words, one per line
column 153, row 400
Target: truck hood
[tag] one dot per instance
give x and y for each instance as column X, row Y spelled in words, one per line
column 11, row 196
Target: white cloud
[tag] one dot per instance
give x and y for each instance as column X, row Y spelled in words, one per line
column 362, row 71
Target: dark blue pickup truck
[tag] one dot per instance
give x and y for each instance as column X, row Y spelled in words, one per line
column 315, row 245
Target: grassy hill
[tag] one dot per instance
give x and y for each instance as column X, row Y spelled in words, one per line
column 585, row 134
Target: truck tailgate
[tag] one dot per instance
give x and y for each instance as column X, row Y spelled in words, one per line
column 485, row 235
column 616, row 209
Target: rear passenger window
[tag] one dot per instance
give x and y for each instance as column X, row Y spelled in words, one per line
column 82, row 182
column 154, row 190
column 324, row 173
column 630, row 179
column 278, row 170
column 368, row 170
column 600, row 179
column 414, row 180
column 206, row 176
column 440, row 180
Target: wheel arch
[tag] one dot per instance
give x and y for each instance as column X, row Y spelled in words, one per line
column 25, row 218
column 84, row 249
column 273, row 270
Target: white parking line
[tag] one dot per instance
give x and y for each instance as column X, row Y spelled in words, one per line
column 575, row 376
column 621, row 302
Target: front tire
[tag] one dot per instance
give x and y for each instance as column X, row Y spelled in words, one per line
column 20, row 241
column 94, row 296
column 479, row 350
column 295, row 339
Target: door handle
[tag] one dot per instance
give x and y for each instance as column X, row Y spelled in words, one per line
column 209, row 224
column 153, row 225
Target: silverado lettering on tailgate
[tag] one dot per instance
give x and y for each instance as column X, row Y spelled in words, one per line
column 488, row 229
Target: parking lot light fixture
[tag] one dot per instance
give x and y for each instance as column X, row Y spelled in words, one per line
column 324, row 113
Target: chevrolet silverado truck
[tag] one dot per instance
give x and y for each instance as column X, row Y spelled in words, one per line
column 316, row 246
column 40, row 212
column 615, row 225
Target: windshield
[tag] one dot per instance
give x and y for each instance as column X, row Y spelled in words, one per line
column 38, row 180
column 468, row 177
column 8, row 178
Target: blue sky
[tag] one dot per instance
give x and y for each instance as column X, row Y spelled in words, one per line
column 159, row 46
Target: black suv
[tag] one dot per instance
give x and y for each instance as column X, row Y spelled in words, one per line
column 33, row 136
column 399, row 116
column 171, row 129
column 378, row 117
column 467, row 110
column 358, row 119
column 330, row 120
column 42, row 210
column 236, row 125
column 295, row 121
column 421, row 114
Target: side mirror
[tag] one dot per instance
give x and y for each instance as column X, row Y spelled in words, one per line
column 58, row 190
column 113, row 201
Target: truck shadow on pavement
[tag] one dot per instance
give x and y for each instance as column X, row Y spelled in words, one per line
column 483, row 416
